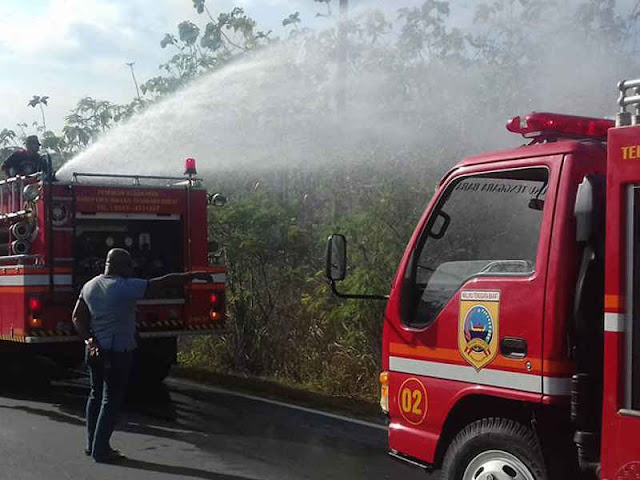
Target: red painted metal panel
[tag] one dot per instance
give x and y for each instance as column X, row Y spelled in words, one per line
column 620, row 432
column 585, row 159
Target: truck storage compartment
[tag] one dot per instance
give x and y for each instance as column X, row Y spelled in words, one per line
column 156, row 247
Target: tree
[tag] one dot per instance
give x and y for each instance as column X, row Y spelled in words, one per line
column 39, row 101
column 425, row 31
column 7, row 143
column 200, row 51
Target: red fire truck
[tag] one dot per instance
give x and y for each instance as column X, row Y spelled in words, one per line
column 54, row 236
column 511, row 343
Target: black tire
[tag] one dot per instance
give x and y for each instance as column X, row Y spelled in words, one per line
column 493, row 435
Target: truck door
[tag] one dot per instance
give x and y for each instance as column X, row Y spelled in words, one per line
column 473, row 300
column 621, row 406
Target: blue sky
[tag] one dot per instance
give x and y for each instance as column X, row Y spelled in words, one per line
column 68, row 49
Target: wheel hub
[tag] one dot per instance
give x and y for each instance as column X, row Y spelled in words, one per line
column 497, row 465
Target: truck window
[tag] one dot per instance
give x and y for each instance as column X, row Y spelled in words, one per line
column 483, row 225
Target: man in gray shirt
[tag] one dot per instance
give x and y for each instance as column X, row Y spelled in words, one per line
column 105, row 318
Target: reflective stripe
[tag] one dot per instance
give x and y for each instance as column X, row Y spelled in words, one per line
column 215, row 278
column 556, row 386
column 167, row 333
column 613, row 302
column 127, row 216
column 160, row 334
column 33, row 280
column 161, row 301
column 180, row 333
column 614, row 322
column 54, row 339
column 218, row 277
column 495, row 378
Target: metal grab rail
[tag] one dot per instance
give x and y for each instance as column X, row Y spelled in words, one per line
column 12, row 194
column 623, row 117
column 136, row 178
column 37, row 260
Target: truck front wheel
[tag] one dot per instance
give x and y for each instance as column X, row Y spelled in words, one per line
column 494, row 449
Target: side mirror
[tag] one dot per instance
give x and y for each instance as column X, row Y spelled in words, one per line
column 583, row 210
column 336, row 268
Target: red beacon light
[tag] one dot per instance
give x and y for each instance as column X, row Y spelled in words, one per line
column 545, row 126
column 190, row 166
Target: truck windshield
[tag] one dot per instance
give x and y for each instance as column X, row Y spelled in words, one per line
column 483, row 225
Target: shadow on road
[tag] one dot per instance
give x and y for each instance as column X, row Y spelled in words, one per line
column 70, row 394
column 55, row 416
column 263, row 437
column 176, row 470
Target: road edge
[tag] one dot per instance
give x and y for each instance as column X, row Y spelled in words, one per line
column 270, row 391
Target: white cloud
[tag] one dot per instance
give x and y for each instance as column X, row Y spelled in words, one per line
column 26, row 33
column 68, row 49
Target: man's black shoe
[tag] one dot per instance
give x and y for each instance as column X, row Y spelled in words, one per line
column 112, row 457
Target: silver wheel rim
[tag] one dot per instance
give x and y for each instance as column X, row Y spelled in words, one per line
column 497, row 465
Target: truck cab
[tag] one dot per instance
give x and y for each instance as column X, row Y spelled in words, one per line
column 507, row 341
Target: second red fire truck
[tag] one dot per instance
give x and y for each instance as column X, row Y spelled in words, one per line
column 54, row 236
column 511, row 343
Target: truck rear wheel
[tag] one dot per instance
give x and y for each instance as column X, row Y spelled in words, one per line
column 152, row 361
column 147, row 374
column 494, row 449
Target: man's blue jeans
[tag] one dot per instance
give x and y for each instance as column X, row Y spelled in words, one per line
column 108, row 385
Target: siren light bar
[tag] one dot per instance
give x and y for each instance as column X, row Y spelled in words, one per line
column 554, row 125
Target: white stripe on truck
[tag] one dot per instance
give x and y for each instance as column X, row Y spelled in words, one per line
column 496, row 378
column 614, row 322
column 33, row 280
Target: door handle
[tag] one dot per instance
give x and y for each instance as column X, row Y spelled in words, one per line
column 513, row 347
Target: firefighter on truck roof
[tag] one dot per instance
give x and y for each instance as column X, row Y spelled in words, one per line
column 25, row 161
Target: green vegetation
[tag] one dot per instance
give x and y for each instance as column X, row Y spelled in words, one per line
column 283, row 322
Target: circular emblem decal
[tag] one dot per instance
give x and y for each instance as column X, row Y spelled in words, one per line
column 59, row 214
column 413, row 401
column 630, row 471
column 478, row 329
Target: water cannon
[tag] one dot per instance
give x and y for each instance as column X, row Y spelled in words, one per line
column 190, row 166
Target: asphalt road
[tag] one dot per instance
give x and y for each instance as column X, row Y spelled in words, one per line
column 186, row 431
